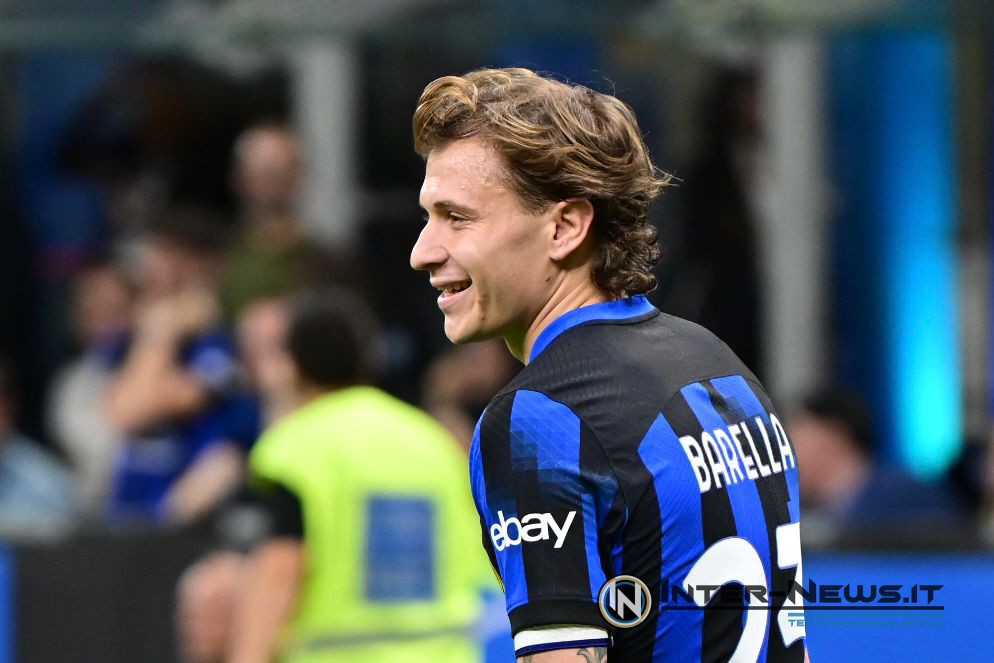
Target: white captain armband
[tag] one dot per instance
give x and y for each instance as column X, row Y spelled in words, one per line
column 559, row 636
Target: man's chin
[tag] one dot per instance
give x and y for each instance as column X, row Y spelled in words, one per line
column 462, row 334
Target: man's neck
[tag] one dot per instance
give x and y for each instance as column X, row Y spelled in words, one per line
column 565, row 298
column 275, row 228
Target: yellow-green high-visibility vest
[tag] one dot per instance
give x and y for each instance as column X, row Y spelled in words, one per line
column 394, row 563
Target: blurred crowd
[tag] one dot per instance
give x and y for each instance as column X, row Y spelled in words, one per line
column 180, row 325
column 182, row 362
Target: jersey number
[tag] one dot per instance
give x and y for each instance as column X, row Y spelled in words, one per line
column 735, row 560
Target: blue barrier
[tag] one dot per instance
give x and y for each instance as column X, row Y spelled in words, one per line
column 6, row 607
column 959, row 632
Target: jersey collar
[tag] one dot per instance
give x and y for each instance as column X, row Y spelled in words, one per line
column 622, row 309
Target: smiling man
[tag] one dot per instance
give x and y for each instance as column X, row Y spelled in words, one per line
column 632, row 443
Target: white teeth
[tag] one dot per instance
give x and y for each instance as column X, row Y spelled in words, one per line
column 457, row 288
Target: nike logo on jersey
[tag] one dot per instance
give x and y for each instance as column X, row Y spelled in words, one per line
column 729, row 455
column 532, row 527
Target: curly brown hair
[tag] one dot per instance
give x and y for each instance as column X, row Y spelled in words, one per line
column 558, row 141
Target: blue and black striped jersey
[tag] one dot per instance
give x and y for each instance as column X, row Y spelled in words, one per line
column 635, row 443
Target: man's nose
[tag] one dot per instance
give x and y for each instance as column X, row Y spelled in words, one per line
column 428, row 253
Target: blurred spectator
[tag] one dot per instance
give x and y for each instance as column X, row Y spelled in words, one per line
column 176, row 393
column 460, row 382
column 101, row 316
column 971, row 475
column 376, row 490
column 262, row 328
column 272, row 255
column 843, row 487
column 986, row 489
column 35, row 490
column 267, row 176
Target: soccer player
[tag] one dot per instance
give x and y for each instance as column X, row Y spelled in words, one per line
column 632, row 443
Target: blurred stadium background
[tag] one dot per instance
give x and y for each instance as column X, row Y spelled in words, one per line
column 832, row 224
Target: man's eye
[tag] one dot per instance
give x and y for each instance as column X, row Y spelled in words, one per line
column 450, row 216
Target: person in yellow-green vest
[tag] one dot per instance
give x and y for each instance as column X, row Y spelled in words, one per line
column 371, row 549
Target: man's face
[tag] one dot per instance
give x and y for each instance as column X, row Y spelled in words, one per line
column 262, row 334
column 481, row 248
column 102, row 304
column 168, row 268
column 161, row 268
column 267, row 171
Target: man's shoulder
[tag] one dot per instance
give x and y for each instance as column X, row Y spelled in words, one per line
column 365, row 409
column 609, row 381
column 524, row 422
column 660, row 354
column 522, row 399
column 290, row 429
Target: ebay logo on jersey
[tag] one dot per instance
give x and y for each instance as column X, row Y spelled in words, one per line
column 532, row 527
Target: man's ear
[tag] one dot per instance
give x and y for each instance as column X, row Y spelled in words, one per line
column 573, row 220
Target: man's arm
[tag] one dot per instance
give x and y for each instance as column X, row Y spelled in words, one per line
column 274, row 577
column 582, row 655
column 206, row 598
column 214, row 475
column 151, row 385
column 526, row 469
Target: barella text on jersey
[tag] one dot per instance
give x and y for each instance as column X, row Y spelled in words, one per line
column 726, row 456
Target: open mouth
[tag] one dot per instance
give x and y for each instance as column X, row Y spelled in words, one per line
column 453, row 289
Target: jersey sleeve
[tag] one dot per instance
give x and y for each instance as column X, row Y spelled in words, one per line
column 273, row 487
column 282, row 510
column 542, row 486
